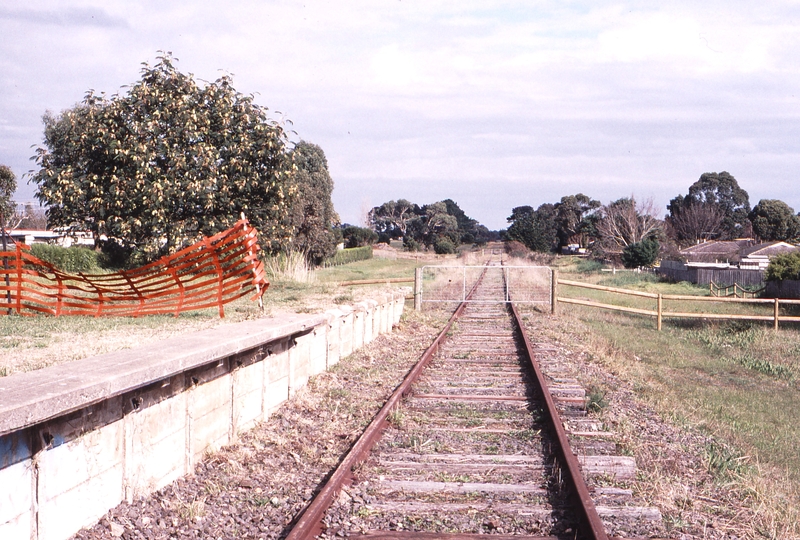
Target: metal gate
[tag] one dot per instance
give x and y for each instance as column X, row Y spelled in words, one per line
column 520, row 284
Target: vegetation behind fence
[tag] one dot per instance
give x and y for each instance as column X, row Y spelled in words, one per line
column 344, row 256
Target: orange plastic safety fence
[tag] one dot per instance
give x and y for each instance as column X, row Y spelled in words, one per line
column 210, row 273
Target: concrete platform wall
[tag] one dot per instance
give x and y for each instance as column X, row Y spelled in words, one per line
column 78, row 439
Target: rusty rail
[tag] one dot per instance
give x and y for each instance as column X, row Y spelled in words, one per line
column 593, row 525
column 309, row 522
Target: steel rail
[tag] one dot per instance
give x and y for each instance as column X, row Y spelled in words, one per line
column 594, row 528
column 309, row 522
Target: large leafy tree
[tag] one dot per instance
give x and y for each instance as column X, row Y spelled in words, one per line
column 720, row 191
column 774, row 220
column 8, row 184
column 392, row 217
column 537, row 229
column 573, row 220
column 167, row 162
column 311, row 215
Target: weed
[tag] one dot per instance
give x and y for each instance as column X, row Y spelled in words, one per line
column 763, row 366
column 193, row 509
column 395, row 418
column 339, row 393
column 724, row 462
column 596, row 399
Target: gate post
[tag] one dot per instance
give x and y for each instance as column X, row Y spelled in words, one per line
column 553, row 291
column 417, row 289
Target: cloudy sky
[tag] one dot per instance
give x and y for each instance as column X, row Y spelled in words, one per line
column 491, row 104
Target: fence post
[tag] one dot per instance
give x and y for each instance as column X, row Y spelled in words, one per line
column 777, row 303
column 660, row 310
column 553, row 291
column 417, row 289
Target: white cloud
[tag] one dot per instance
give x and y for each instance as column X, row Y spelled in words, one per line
column 444, row 98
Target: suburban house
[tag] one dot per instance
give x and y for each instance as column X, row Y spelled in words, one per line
column 741, row 261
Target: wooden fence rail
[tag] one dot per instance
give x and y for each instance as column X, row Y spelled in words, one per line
column 210, row 273
column 659, row 312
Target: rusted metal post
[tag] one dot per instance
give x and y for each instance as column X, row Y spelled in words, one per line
column 418, row 289
column 553, row 291
column 777, row 305
column 660, row 310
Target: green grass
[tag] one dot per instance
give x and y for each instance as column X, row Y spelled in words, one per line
column 369, row 269
column 736, row 382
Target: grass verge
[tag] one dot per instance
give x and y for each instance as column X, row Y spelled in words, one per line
column 736, row 382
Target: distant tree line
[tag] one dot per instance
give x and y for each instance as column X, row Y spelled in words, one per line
column 715, row 208
column 441, row 226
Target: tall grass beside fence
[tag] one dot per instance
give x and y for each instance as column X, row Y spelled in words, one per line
column 289, row 266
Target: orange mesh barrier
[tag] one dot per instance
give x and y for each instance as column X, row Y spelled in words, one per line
column 210, row 273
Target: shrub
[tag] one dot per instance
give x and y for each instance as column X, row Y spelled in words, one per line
column 444, row 246
column 784, row 266
column 344, row 256
column 588, row 266
column 358, row 236
column 409, row 244
column 642, row 253
column 71, row 259
column 516, row 249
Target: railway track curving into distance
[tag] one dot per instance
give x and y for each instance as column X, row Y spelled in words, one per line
column 480, row 439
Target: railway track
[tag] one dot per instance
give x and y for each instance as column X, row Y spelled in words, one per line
column 473, row 442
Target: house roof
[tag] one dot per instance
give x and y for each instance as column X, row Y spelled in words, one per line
column 768, row 249
column 726, row 250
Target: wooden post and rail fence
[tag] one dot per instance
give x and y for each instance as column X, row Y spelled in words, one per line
column 659, row 313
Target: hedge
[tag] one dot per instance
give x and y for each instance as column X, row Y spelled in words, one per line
column 71, row 259
column 344, row 256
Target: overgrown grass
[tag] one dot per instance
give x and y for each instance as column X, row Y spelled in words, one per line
column 291, row 266
column 737, row 382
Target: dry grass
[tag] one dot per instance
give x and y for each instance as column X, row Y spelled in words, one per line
column 735, row 386
column 29, row 343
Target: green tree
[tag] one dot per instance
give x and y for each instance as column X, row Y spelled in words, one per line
column 536, row 229
column 774, row 220
column 358, row 236
column 640, row 254
column 784, row 266
column 392, row 217
column 311, row 215
column 8, row 184
column 166, row 163
column 572, row 219
column 720, row 190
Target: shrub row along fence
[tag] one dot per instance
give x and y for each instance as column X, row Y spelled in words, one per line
column 210, row 273
column 659, row 313
column 344, row 256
